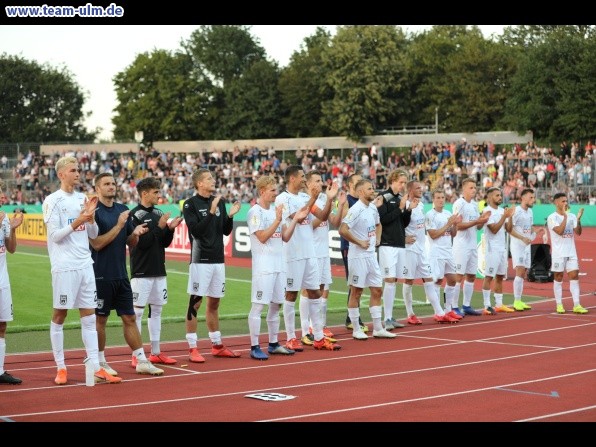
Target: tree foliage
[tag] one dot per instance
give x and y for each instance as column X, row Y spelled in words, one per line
column 160, row 95
column 221, row 85
column 365, row 67
column 553, row 92
column 223, row 52
column 463, row 75
column 303, row 88
column 39, row 103
column 253, row 106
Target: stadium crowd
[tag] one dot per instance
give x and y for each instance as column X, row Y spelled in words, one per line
column 435, row 164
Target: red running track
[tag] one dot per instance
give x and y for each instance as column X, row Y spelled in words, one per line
column 527, row 366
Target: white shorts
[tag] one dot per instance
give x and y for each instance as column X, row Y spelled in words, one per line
column 268, row 288
column 440, row 267
column 325, row 271
column 206, row 280
column 153, row 290
column 364, row 272
column 6, row 313
column 564, row 264
column 466, row 261
column 74, row 289
column 495, row 264
column 521, row 258
column 302, row 274
column 392, row 261
column 416, row 266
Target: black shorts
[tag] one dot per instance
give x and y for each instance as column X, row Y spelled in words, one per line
column 115, row 295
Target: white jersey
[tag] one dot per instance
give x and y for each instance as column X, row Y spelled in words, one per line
column 416, row 228
column 71, row 252
column 300, row 245
column 522, row 221
column 495, row 242
column 562, row 246
column 440, row 247
column 362, row 221
column 321, row 233
column 4, row 234
column 466, row 239
column 266, row 257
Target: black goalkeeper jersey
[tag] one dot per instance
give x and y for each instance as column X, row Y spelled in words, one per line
column 393, row 220
column 205, row 230
column 148, row 257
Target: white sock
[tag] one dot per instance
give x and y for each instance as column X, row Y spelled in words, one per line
column 254, row 323
column 290, row 319
column 140, row 355
column 191, row 338
column 558, row 289
column 273, row 321
column 574, row 289
column 139, row 311
column 498, row 299
column 2, row 354
column 57, row 339
column 518, row 287
column 215, row 337
column 388, row 299
column 449, row 291
column 314, row 309
column 431, row 295
column 354, row 313
column 407, row 294
column 324, row 311
column 455, row 296
column 376, row 313
column 89, row 335
column 468, row 291
column 304, row 307
column 154, row 326
column 486, row 297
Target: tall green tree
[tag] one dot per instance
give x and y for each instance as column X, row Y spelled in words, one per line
column 466, row 77
column 303, row 88
column 40, row 103
column 367, row 76
column 223, row 52
column 252, row 104
column 553, row 91
column 161, row 95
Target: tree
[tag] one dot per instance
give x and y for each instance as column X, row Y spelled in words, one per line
column 465, row 75
column 161, row 95
column 252, row 104
column 367, row 77
column 223, row 52
column 552, row 93
column 303, row 88
column 39, row 103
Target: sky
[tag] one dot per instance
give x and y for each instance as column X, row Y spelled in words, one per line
column 94, row 54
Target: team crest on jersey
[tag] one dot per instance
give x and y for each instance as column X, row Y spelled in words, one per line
column 355, row 279
column 195, row 286
column 63, row 300
column 135, row 297
column 260, row 295
column 290, row 282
